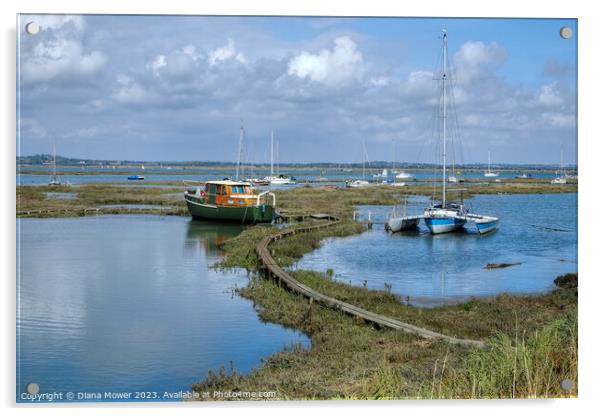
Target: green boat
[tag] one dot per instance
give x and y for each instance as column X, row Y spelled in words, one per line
column 228, row 200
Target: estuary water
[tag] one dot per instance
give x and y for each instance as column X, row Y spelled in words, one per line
column 538, row 231
column 88, row 175
column 124, row 304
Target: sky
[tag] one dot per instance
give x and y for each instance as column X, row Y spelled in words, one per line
column 177, row 88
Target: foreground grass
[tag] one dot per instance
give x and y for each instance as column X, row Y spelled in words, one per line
column 351, row 360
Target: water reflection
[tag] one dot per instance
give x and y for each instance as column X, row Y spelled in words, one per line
column 207, row 236
column 448, row 267
column 130, row 303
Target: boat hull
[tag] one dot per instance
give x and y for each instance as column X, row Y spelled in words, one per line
column 402, row 224
column 245, row 215
column 487, row 227
column 444, row 225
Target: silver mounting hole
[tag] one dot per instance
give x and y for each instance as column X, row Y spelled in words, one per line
column 32, row 28
column 566, row 32
column 32, row 388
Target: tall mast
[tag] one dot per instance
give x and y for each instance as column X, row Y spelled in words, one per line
column 488, row 161
column 561, row 160
column 364, row 160
column 54, row 160
column 444, row 112
column 240, row 141
column 272, row 156
column 277, row 157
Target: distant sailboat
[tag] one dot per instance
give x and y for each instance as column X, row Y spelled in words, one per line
column 561, row 178
column 277, row 179
column 489, row 173
column 55, row 180
column 359, row 183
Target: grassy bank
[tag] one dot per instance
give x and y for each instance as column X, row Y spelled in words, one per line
column 87, row 198
column 534, row 344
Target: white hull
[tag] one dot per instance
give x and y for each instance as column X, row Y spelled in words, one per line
column 402, row 224
column 279, row 181
column 491, row 174
column 357, row 184
column 404, row 175
column 444, row 228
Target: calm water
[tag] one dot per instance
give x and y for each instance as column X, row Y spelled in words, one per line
column 129, row 303
column 97, row 175
column 431, row 269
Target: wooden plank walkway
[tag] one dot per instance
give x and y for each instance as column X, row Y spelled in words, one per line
column 276, row 272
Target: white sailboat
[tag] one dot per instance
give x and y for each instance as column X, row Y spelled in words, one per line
column 55, row 180
column 561, row 178
column 276, row 179
column 359, row 183
column 490, row 173
column 445, row 216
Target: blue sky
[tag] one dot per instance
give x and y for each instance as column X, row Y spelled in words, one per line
column 177, row 87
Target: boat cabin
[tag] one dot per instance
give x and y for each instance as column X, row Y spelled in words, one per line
column 228, row 193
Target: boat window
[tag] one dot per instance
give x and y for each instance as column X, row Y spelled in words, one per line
column 220, row 190
column 240, row 189
column 233, row 189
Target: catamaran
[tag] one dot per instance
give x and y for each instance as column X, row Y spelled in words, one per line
column 445, row 216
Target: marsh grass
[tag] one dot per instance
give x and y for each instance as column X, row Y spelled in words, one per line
column 89, row 197
column 515, row 365
column 349, row 360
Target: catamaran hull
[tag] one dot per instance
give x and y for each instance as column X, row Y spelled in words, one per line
column 244, row 215
column 487, row 227
column 444, row 225
column 402, row 224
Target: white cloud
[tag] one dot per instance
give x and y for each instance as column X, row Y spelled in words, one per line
column 225, row 53
column 57, row 22
column 549, row 96
column 60, row 57
column 379, row 81
column 60, row 52
column 337, row 66
column 475, row 58
column 130, row 92
column 191, row 51
column 158, row 63
column 560, row 120
column 32, row 128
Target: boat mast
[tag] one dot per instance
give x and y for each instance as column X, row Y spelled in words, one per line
column 272, row 156
column 444, row 112
column 240, row 141
column 561, row 160
column 489, row 161
column 364, row 160
column 54, row 161
column 277, row 157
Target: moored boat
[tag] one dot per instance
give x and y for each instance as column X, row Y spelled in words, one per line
column 228, row 200
column 135, row 178
column 447, row 216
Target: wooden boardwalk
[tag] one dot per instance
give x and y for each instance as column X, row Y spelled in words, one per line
column 274, row 271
